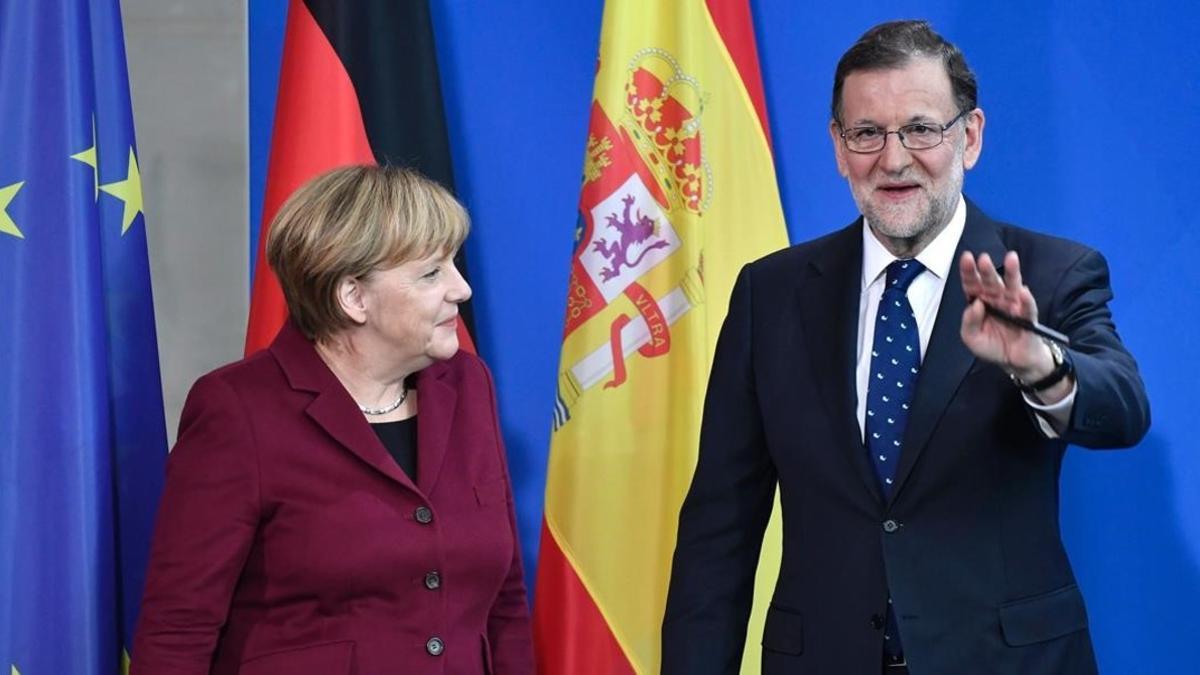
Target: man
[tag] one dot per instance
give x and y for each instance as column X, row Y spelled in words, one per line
column 915, row 434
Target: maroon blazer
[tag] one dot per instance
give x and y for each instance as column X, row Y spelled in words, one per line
column 289, row 541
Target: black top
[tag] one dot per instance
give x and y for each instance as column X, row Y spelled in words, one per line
column 400, row 439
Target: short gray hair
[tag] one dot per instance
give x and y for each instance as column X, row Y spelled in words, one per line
column 893, row 45
column 350, row 222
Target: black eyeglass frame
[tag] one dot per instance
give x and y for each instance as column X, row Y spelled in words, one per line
column 942, row 128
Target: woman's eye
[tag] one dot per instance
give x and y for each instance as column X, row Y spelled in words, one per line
column 432, row 274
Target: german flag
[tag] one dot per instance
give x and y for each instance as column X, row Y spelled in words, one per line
column 358, row 85
column 678, row 193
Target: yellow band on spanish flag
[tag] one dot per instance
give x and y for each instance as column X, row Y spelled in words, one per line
column 678, row 192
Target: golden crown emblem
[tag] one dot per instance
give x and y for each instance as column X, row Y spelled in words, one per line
column 664, row 107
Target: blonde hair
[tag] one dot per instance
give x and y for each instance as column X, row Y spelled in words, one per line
column 350, row 222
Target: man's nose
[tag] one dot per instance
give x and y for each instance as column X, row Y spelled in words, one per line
column 894, row 156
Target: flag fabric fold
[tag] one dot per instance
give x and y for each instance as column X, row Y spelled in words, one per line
column 82, row 437
column 678, row 192
column 358, row 84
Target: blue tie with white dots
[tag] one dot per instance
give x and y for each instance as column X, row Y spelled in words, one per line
column 895, row 362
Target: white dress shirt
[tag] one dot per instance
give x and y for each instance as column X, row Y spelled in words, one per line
column 925, row 296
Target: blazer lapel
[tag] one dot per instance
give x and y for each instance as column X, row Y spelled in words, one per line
column 437, row 400
column 947, row 359
column 830, row 292
column 332, row 408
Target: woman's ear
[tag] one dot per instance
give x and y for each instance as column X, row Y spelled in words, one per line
column 350, row 297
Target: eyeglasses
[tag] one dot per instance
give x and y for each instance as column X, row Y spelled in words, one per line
column 918, row 136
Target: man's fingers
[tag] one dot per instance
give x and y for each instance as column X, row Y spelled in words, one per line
column 969, row 271
column 1012, row 271
column 1028, row 305
column 973, row 318
column 989, row 275
column 972, row 332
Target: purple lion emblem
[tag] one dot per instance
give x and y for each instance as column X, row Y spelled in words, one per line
column 633, row 231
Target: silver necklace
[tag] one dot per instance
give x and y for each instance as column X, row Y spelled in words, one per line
column 387, row 408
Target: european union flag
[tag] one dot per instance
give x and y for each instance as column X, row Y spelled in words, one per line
column 82, row 438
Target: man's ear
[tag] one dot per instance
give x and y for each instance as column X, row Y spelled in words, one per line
column 839, row 148
column 973, row 125
column 350, row 297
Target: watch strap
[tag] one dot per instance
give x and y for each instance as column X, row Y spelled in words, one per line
column 1062, row 368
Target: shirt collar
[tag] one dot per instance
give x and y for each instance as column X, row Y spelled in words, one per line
column 937, row 257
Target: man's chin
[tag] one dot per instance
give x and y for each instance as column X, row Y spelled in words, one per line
column 904, row 224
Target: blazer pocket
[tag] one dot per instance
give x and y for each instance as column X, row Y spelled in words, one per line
column 1043, row 617
column 491, row 492
column 784, row 631
column 334, row 658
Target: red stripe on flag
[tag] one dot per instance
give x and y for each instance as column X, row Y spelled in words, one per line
column 318, row 126
column 465, row 342
column 570, row 636
column 736, row 26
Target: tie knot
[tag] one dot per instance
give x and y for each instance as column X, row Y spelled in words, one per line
column 901, row 273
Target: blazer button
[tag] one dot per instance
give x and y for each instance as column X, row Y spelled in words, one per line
column 433, row 581
column 877, row 622
column 435, row 646
column 423, row 515
column 890, row 526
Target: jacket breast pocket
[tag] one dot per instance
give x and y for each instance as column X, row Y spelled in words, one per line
column 1043, row 617
column 329, row 658
column 784, row 631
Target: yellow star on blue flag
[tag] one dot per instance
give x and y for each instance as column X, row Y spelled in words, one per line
column 88, row 156
column 129, row 191
column 7, row 226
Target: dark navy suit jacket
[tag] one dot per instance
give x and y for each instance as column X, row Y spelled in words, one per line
column 289, row 541
column 968, row 545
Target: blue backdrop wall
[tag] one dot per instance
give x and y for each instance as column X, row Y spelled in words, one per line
column 1093, row 133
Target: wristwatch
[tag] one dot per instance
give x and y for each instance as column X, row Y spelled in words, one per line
column 1063, row 366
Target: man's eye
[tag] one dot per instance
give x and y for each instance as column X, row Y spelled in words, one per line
column 919, row 130
column 864, row 133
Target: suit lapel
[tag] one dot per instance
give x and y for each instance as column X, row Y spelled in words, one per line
column 947, row 359
column 332, row 408
column 331, row 412
column 437, row 401
column 829, row 294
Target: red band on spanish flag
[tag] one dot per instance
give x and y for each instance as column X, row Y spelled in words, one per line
column 678, row 193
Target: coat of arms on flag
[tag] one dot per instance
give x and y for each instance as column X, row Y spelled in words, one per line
column 645, row 184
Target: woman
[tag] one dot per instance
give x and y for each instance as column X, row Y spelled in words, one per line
column 340, row 502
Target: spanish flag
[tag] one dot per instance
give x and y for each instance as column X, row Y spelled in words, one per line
column 678, row 192
column 358, row 84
